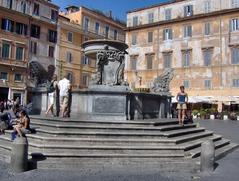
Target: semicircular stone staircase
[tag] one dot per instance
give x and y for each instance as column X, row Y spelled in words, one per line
column 72, row 144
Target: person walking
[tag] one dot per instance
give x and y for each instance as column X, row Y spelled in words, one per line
column 182, row 98
column 64, row 87
column 52, row 95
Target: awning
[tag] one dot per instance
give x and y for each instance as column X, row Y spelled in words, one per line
column 212, row 99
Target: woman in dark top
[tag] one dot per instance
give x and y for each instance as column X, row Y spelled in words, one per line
column 23, row 124
column 182, row 99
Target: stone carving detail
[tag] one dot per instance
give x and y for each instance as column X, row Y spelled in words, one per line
column 110, row 67
column 161, row 83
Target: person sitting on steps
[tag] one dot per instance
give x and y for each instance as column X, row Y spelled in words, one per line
column 182, row 98
column 23, row 125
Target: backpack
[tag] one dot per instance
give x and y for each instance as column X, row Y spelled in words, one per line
column 51, row 88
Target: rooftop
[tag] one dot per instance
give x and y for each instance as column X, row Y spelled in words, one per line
column 155, row 5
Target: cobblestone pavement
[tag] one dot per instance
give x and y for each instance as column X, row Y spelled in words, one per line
column 227, row 167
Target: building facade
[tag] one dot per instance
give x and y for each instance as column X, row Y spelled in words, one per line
column 28, row 30
column 76, row 25
column 199, row 39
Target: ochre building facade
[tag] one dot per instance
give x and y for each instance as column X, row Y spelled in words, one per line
column 199, row 39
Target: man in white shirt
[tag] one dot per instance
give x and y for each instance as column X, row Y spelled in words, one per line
column 64, row 87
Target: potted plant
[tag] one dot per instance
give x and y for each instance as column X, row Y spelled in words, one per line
column 202, row 114
column 225, row 115
column 237, row 116
column 212, row 113
column 195, row 113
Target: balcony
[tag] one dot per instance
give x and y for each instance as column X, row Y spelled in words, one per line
column 13, row 63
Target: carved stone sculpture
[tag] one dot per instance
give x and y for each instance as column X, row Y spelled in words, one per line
column 161, row 83
column 110, row 67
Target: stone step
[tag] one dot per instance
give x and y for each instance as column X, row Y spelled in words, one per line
column 98, row 164
column 196, row 152
column 123, row 134
column 41, row 139
column 72, row 120
column 95, row 149
column 197, row 143
column 191, row 137
column 109, row 127
column 223, row 151
column 5, row 155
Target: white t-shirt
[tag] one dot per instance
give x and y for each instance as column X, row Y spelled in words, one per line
column 64, row 86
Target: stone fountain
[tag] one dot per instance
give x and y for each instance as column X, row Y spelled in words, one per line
column 108, row 95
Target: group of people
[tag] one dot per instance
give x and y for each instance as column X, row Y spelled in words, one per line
column 17, row 119
column 59, row 95
column 6, row 105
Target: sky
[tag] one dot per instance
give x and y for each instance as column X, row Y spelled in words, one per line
column 118, row 7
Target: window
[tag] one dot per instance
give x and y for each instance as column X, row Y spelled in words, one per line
column 35, row 31
column 19, row 53
column 52, row 36
column 133, row 62
column 8, row 25
column 235, row 55
column 6, row 50
column 115, row 34
column 235, row 3
column 186, row 56
column 85, row 79
column 207, row 28
column 70, row 77
column 70, row 36
column 186, row 83
column 207, row 56
column 4, row 76
column 23, row 7
column 150, row 37
column 33, row 47
column 234, row 24
column 86, row 24
column 187, row 31
column 36, row 9
column 97, row 28
column 149, row 59
column 107, row 29
column 150, row 17
column 51, row 51
column 85, row 60
column 207, row 6
column 21, row 29
column 8, row 4
column 134, row 39
column 18, row 77
column 168, row 14
column 69, row 57
column 167, row 60
column 167, row 34
column 188, row 10
column 208, row 84
column 54, row 15
column 235, row 83
column 135, row 21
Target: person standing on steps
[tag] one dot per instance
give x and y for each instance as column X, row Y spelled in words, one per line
column 182, row 98
column 53, row 96
column 64, row 87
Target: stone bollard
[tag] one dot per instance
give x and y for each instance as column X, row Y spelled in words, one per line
column 19, row 155
column 207, row 157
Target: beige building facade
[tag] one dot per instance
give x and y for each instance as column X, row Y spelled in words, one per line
column 199, row 39
column 76, row 25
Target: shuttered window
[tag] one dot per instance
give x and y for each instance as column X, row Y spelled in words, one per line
column 167, row 34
